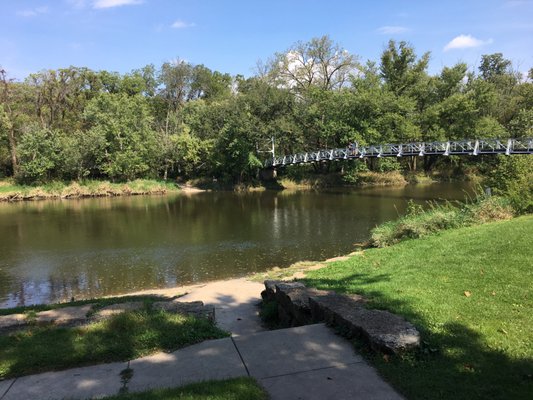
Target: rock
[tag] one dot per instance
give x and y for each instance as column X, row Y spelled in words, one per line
column 293, row 301
column 65, row 316
column 195, row 308
column 383, row 330
column 114, row 309
column 298, row 305
column 12, row 322
column 270, row 290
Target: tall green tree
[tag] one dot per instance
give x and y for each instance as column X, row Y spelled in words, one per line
column 124, row 123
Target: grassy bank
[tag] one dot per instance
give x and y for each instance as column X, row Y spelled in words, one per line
column 230, row 389
column 9, row 191
column 125, row 336
column 419, row 222
column 469, row 292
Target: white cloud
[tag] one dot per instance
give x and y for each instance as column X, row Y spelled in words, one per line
column 114, row 3
column 179, row 24
column 392, row 30
column 465, row 42
column 33, row 12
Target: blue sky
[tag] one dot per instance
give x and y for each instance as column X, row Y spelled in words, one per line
column 230, row 36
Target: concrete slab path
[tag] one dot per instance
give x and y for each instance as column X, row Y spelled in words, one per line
column 303, row 363
column 235, row 301
column 210, row 360
column 78, row 383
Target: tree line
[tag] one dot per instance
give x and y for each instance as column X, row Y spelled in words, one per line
column 184, row 120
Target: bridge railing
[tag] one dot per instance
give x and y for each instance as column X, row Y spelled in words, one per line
column 455, row 147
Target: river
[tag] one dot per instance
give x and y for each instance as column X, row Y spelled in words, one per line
column 55, row 250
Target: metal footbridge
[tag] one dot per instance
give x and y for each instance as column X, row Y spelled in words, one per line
column 456, row 147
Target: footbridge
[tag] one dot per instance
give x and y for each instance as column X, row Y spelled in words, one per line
column 472, row 147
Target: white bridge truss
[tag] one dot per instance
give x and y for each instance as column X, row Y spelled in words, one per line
column 460, row 148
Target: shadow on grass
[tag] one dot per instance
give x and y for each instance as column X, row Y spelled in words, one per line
column 454, row 361
column 125, row 336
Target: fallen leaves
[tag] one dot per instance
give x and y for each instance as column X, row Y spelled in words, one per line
column 467, row 293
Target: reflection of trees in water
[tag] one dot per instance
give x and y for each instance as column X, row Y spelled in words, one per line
column 130, row 244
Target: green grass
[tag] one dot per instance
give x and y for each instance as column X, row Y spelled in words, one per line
column 418, row 222
column 469, row 291
column 231, row 389
column 122, row 337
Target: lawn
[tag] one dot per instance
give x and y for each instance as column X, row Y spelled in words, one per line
column 469, row 291
column 231, row 389
column 123, row 337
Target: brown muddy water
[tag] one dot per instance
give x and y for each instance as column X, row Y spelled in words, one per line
column 55, row 250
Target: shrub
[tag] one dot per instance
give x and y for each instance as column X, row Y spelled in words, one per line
column 418, row 222
column 512, row 177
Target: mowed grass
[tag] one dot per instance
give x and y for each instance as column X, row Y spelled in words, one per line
column 123, row 337
column 231, row 389
column 469, row 291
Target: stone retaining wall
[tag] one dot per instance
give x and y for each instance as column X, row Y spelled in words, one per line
column 299, row 305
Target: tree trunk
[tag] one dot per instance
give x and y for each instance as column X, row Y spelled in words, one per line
column 13, row 150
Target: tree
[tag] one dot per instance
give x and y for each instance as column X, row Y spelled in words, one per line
column 124, row 124
column 319, row 62
column 400, row 68
column 11, row 115
column 39, row 152
column 494, row 66
column 209, row 85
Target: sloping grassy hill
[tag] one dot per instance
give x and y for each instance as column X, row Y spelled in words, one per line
column 470, row 292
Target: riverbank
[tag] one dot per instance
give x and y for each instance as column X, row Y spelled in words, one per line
column 9, row 191
column 473, row 311
column 468, row 290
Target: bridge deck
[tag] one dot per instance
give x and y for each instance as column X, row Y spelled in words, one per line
column 461, row 148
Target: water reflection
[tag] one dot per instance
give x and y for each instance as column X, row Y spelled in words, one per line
column 55, row 250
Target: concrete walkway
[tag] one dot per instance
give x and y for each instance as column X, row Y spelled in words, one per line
column 304, row 363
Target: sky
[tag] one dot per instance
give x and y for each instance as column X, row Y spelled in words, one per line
column 232, row 35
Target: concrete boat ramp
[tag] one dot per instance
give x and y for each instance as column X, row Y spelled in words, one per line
column 303, row 363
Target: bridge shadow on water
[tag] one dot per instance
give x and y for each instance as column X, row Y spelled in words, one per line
column 454, row 361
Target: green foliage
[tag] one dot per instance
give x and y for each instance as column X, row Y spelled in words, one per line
column 418, row 223
column 268, row 313
column 512, row 177
column 352, row 173
column 185, row 120
column 388, row 164
column 39, row 154
column 124, row 123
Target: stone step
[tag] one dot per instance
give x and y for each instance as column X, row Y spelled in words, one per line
column 299, row 305
column 384, row 331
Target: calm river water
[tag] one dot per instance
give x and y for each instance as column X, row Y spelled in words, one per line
column 55, row 250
